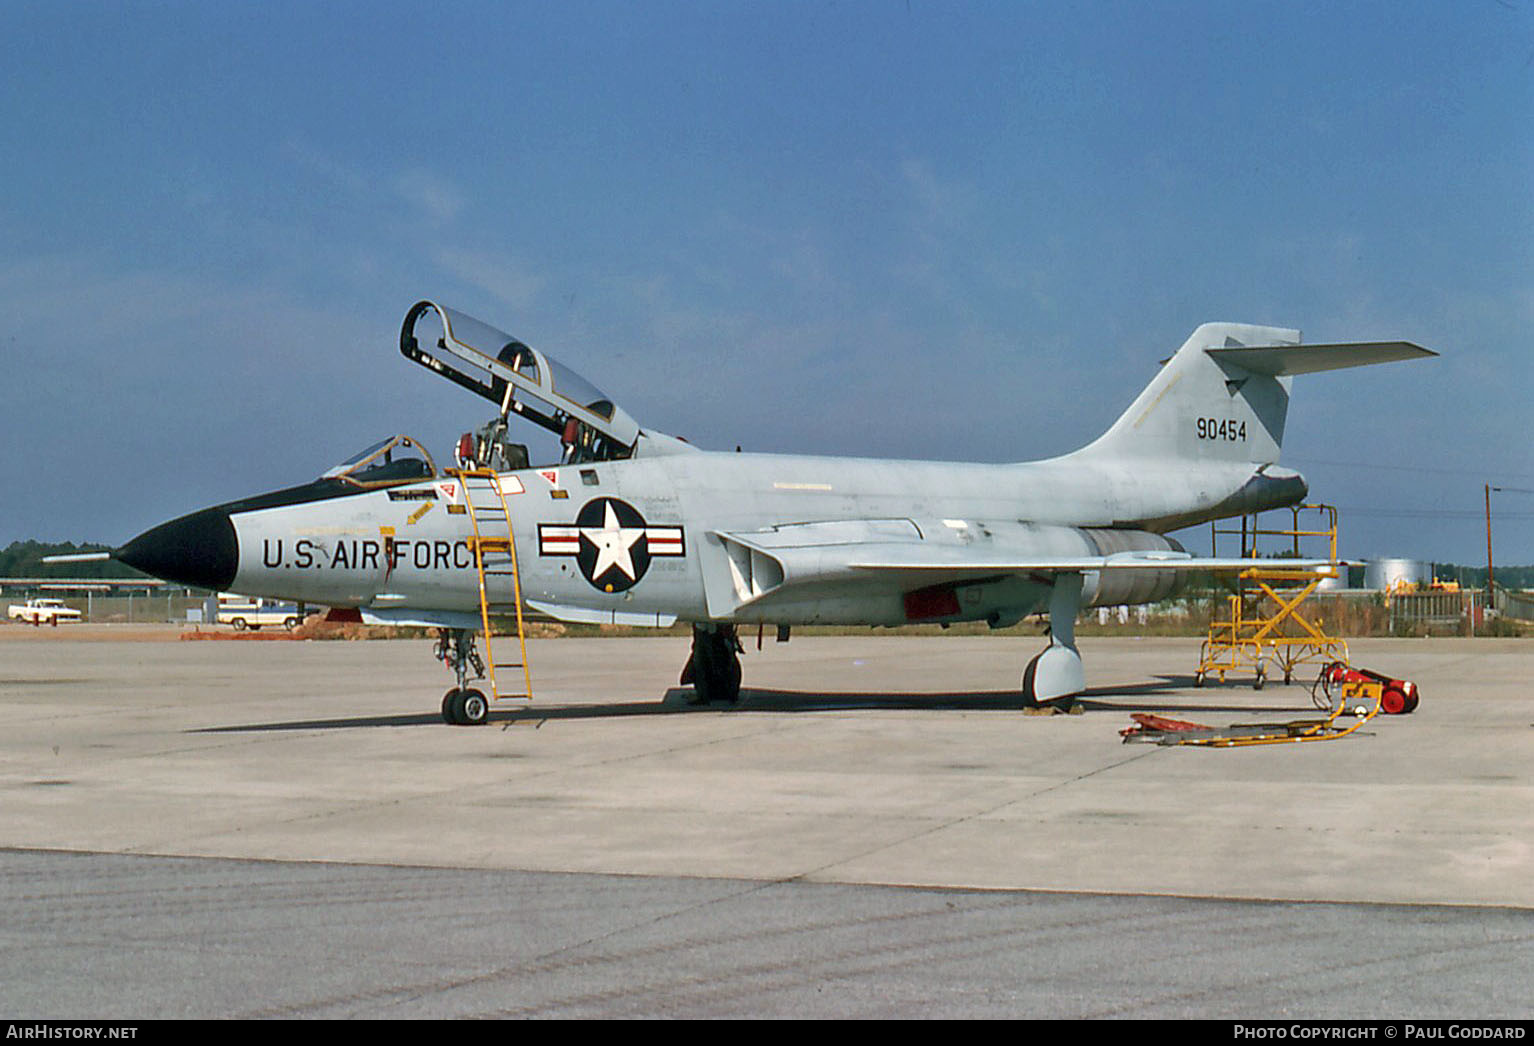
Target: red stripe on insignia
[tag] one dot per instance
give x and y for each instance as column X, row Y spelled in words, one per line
column 666, row 542
column 559, row 541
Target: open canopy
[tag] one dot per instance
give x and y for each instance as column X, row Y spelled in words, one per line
column 518, row 379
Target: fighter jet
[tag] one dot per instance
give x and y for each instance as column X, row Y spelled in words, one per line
column 632, row 526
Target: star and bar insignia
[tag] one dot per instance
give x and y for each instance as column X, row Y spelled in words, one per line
column 611, row 542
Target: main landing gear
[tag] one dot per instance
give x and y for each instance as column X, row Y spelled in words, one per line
column 714, row 667
column 462, row 705
column 1053, row 676
column 1056, row 673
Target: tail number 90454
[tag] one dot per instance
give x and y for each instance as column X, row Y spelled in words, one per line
column 1223, row 429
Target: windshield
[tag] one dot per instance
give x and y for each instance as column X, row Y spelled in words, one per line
column 389, row 462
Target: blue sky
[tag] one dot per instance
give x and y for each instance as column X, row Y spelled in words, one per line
column 957, row 231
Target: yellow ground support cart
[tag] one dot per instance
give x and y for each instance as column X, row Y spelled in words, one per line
column 1264, row 625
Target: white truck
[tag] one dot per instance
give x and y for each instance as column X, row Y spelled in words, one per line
column 43, row 611
column 252, row 612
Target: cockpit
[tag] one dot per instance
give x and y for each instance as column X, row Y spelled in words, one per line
column 520, row 381
column 387, row 463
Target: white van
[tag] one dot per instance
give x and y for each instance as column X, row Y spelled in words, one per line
column 253, row 612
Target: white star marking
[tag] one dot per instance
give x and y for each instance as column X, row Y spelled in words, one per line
column 612, row 543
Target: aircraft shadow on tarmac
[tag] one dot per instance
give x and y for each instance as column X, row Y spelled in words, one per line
column 1122, row 699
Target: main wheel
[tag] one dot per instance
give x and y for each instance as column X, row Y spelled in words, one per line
column 715, row 668
column 719, row 680
column 1030, row 700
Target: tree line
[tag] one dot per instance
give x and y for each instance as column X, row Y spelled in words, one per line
column 25, row 559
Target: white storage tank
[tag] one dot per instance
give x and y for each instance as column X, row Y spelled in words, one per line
column 1380, row 574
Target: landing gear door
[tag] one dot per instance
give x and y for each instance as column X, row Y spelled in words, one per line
column 519, row 380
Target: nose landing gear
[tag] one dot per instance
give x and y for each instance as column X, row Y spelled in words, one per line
column 462, row 705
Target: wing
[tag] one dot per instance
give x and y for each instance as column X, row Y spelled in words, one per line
column 1008, row 569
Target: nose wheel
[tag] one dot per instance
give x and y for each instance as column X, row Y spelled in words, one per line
column 465, row 707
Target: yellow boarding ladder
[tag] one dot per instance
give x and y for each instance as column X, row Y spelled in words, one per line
column 495, row 559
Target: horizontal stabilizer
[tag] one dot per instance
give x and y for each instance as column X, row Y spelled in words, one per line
column 1284, row 360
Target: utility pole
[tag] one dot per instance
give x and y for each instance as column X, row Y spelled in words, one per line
column 1489, row 489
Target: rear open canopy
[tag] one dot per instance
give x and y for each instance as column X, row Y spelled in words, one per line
column 518, row 379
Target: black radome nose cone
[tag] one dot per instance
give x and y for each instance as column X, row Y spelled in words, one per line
column 199, row 550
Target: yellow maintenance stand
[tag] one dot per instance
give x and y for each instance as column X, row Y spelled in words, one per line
column 1263, row 624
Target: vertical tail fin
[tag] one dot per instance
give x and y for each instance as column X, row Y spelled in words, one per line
column 1223, row 397
column 1199, row 409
